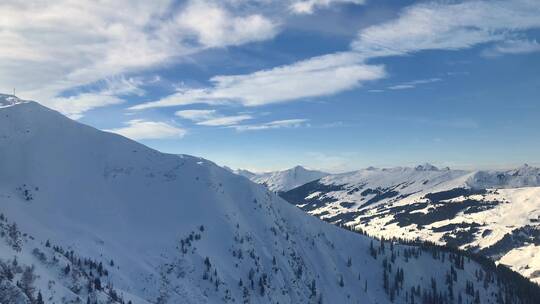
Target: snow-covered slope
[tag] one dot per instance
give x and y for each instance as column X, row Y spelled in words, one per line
column 89, row 216
column 494, row 213
column 279, row 181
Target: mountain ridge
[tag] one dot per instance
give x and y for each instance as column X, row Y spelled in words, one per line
column 491, row 212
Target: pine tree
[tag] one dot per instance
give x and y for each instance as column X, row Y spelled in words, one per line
column 97, row 283
column 27, row 282
column 477, row 297
column 261, row 286
column 39, row 299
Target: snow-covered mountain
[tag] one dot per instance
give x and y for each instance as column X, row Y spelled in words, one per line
column 279, row 181
column 494, row 213
column 525, row 176
column 89, row 216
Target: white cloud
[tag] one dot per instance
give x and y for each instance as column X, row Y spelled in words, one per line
column 401, row 87
column 425, row 26
column 448, row 26
column 225, row 120
column 196, row 115
column 75, row 106
column 309, row 6
column 109, row 93
column 413, row 84
column 49, row 48
column 216, row 27
column 317, row 76
column 277, row 124
column 212, row 117
column 120, row 85
column 143, row 129
column 512, row 47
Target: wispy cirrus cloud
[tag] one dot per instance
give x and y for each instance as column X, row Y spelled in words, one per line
column 225, row 120
column 138, row 129
column 447, row 26
column 212, row 118
column 512, row 47
column 276, row 124
column 413, row 84
column 317, row 76
column 196, row 115
column 110, row 91
column 309, row 6
column 51, row 48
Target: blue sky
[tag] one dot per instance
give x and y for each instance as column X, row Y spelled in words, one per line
column 264, row 85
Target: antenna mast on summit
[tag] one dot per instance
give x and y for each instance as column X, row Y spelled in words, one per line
column 13, row 91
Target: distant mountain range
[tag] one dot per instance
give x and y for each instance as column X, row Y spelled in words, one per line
column 279, row 181
column 494, row 213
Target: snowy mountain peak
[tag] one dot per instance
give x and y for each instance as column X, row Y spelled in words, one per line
column 426, row 167
column 284, row 180
column 525, row 169
column 7, row 100
column 524, row 176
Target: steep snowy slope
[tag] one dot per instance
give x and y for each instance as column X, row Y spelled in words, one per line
column 89, row 216
column 279, row 181
column 487, row 212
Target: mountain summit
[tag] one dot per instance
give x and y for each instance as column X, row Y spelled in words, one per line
column 279, row 181
column 9, row 100
column 426, row 167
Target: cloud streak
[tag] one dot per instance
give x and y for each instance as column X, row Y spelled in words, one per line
column 225, row 120
column 512, row 47
column 309, row 6
column 110, row 93
column 138, row 129
column 413, row 84
column 196, row 115
column 276, row 124
column 211, row 118
column 318, row 76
